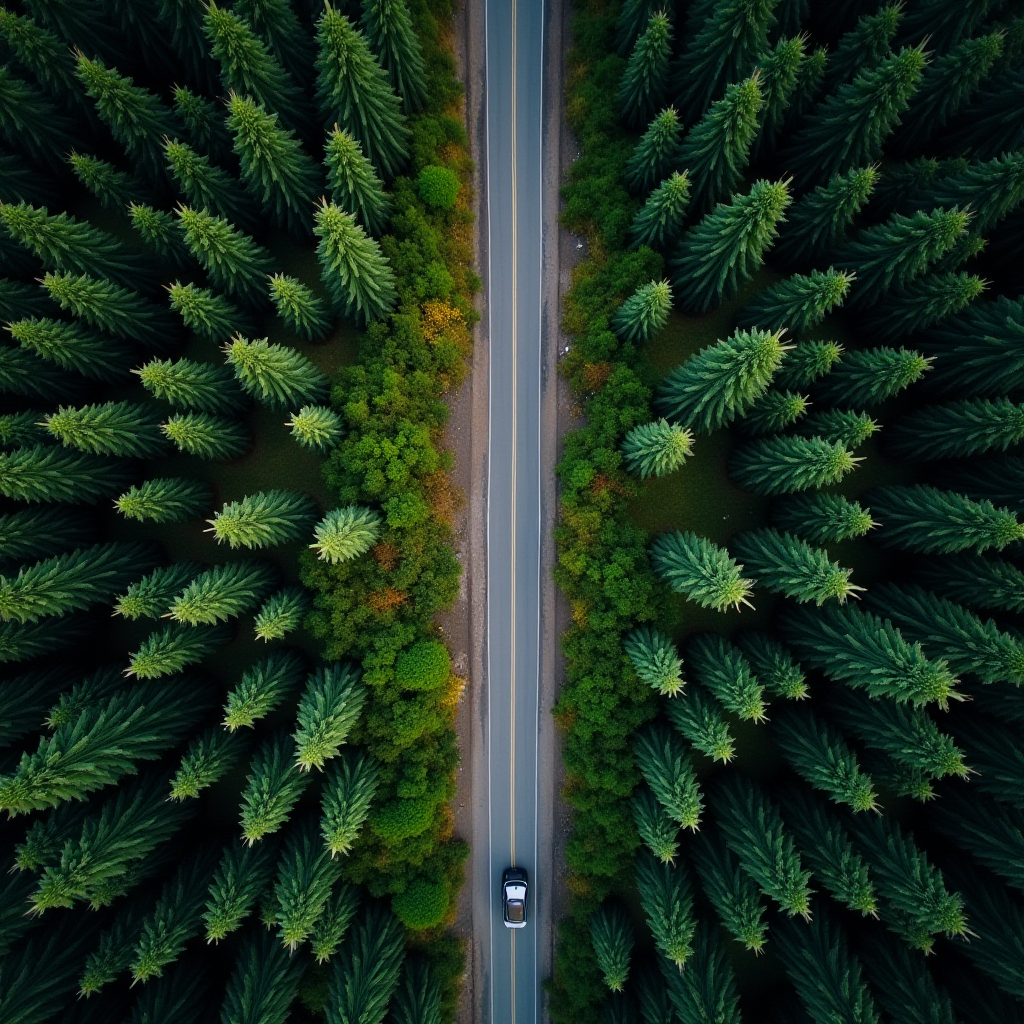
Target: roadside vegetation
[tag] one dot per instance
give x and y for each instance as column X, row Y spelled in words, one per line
column 791, row 524
column 235, row 246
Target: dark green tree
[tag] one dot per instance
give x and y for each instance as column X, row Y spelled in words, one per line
column 992, row 189
column 644, row 313
column 806, row 361
column 279, row 27
column 703, row 571
column 206, row 436
column 417, row 999
column 783, row 465
column 113, row 188
column 243, row 874
column 125, row 429
column 644, row 83
column 659, row 222
column 780, row 72
column 306, row 874
column 40, row 532
column 868, row 377
column 822, row 518
column 657, row 153
column 206, row 186
column 187, row 384
column 165, row 500
column 667, row 901
column 21, row 429
column 662, row 760
column 150, row 596
column 264, row 982
column 388, row 29
column 350, row 786
column 976, row 581
column 925, row 301
column 699, row 718
column 723, row 669
column 943, row 22
column 773, row 412
column 30, row 122
column 903, row 984
column 631, row 22
column 49, row 473
column 272, row 788
column 775, row 667
column 799, row 302
column 264, row 519
column 42, row 53
column 353, row 182
column 203, row 118
column 23, row 373
column 655, row 660
column 657, row 830
column 958, row 429
column 298, row 307
column 262, row 688
column 174, row 648
column 73, row 347
column 161, row 234
column 367, row 966
column 612, row 938
column 113, row 951
column 732, row 893
column 864, row 46
column 328, row 711
column 20, row 642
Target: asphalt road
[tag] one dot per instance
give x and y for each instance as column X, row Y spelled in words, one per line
column 514, row 34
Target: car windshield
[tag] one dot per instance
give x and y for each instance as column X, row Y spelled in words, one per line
column 515, row 911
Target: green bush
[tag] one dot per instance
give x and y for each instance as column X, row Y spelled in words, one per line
column 424, row 666
column 401, row 819
column 438, row 187
column 422, row 905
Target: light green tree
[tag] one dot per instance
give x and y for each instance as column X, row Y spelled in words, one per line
column 274, row 374
column 700, row 569
column 165, row 500
column 264, row 519
column 298, row 307
column 317, row 427
column 346, row 533
column 328, row 710
column 656, row 448
column 262, row 688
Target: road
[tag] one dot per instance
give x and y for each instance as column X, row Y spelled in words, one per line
column 514, row 38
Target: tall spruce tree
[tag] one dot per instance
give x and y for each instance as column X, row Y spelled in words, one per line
column 667, row 901
column 612, row 938
column 264, row 519
column 366, row 969
column 40, row 532
column 657, row 152
column 282, row 613
column 700, row 719
column 272, row 788
column 264, row 982
column 725, row 672
column 317, row 427
column 784, row 465
column 350, row 786
column 275, row 375
column 221, row 593
column 187, row 384
column 799, row 302
column 150, row 596
column 974, row 580
column 346, row 533
column 52, row 474
column 125, row 429
column 164, row 500
column 957, row 429
column 353, row 182
column 869, row 376
column 73, row 347
column 776, row 668
column 262, row 688
column 703, row 571
column 732, row 893
column 865, row 45
column 206, row 436
column 656, row 448
column 657, row 830
column 655, row 660
column 173, row 648
column 206, row 186
column 387, row 26
column 992, row 189
column 924, row 302
column 329, row 709
column 306, row 874
column 773, row 412
column 780, row 71
column 644, row 313
column 279, row 27
column 32, row 123
column 662, row 760
column 644, row 83
column 822, row 518
column 708, row 989
column 658, row 224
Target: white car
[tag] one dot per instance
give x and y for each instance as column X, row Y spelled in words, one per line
column 514, row 885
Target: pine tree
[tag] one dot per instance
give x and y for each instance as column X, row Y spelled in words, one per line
column 332, row 924
column 417, row 999
column 949, row 22
column 264, row 982
column 328, row 710
column 208, row 314
column 992, row 189
column 39, row 532
column 221, row 593
column 282, row 613
column 187, row 384
column 24, row 700
column 655, row 660
column 306, row 874
column 995, row 754
column 868, row 653
column 657, row 153
column 784, row 564
column 817, row 222
column 819, row 754
column 18, row 299
column 206, row 436
column 775, row 667
column 850, row 126
column 21, row 429
column 264, row 519
column 722, row 49
column 95, row 689
column 799, row 302
column 272, row 788
column 298, row 307
column 247, row 66
column 173, row 648
column 865, row 46
column 353, row 182
column 724, row 670
column 805, row 362
column 354, row 92
column 20, row 642
column 349, row 789
column 726, row 248
column 244, row 873
column 113, row 188
column 644, row 83
column 644, row 313
column 870, row 376
column 828, row 851
column 102, row 304
column 46, row 473
column 32, row 123
column 612, row 938
column 902, row 185
column 232, row 259
column 275, row 375
column 780, row 73
column 631, row 22
column 657, row 830
column 203, row 118
column 783, row 465
column 809, row 77
column 723, row 380
column 42, row 53
column 731, row 892
column 387, row 27
column 150, row 596
column 317, row 427
column 113, row 952
column 822, row 518
column 72, row 347
column 125, row 429
column 667, row 902
column 71, row 581
column 346, row 533
column 357, row 274
column 925, row 302
column 698, row 718
column 22, row 373
column 701, row 570
column 662, row 760
column 976, row 581
column 656, row 448
column 263, row 686
column 161, row 234
column 164, row 500
column 773, row 412
column 659, row 222
column 903, row 984
column 933, row 521
column 206, row 186
column 958, row 429
column 366, row 969
column 278, row 26
column 274, row 167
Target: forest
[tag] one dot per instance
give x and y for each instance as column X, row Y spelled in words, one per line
column 791, row 522
column 235, row 287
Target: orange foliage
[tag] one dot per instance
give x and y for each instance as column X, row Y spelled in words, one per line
column 383, row 601
column 387, row 555
column 441, row 495
column 595, row 376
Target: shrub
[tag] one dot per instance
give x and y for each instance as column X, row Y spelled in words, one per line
column 424, row 666
column 422, row 905
column 438, row 187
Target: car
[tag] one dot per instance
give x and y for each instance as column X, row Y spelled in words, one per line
column 514, row 886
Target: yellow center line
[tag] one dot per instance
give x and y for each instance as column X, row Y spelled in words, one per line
column 515, row 377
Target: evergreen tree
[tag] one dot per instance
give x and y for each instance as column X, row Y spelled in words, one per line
column 298, row 307
column 353, row 182
column 317, row 427
column 725, row 249
column 164, row 500
column 263, row 686
column 232, row 259
column 95, row 689
column 716, row 151
column 417, row 999
column 275, row 375
column 818, row 753
column 661, row 758
column 357, row 274
column 113, row 952
column 248, row 67
column 21, row 429
column 22, row 373
column 753, row 830
column 631, row 22
column 187, row 384
column 208, row 314
column 976, row 581
column 817, row 222
column 39, row 532
column 206, row 436
column 805, row 362
column 105, row 305
column 264, row 982
column 274, row 167
column 903, row 984
column 174, row 647
column 784, row 564
column 902, row 185
column 723, row 380
column 655, row 660
column 701, row 570
column 644, row 83
column 933, row 521
column 657, row 830
column 206, row 186
column 20, row 642
column 47, row 473
column 272, row 788
column 659, row 222
column 870, row 376
column 113, row 188
column 656, row 448
column 865, row 46
column 333, row 922
column 995, row 755
column 72, row 581
column 828, row 851
column 850, row 126
column 809, row 78
column 40, row 52
column 799, row 302
column 780, row 73
column 221, row 593
column 328, row 710
column 612, row 938
column 925, row 302
column 773, row 412
column 203, row 118
column 354, row 92
column 724, row 670
column 958, row 429
column 657, row 153
column 644, row 313
column 18, row 299
column 346, row 533
column 868, row 653
column 822, row 518
column 306, row 874
column 278, row 26
column 667, row 902
column 161, row 234
column 264, row 519
column 992, row 189
column 775, row 667
column 72, row 347
column 349, row 788
column 387, row 27
column 782, row 465
column 150, row 596
column 698, row 718
column 32, row 123
column 943, row 22
column 125, row 429
column 366, row 969
column 731, row 892
column 282, row 613
column 241, row 877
